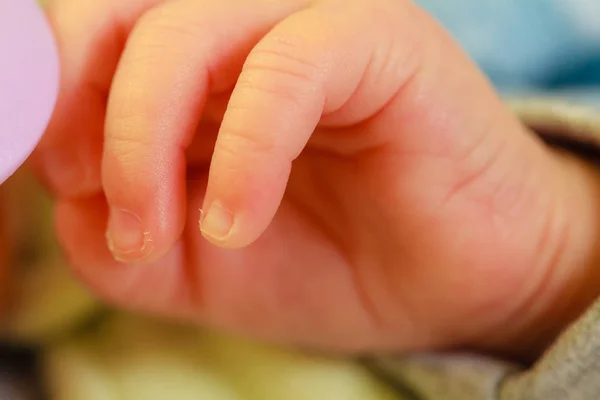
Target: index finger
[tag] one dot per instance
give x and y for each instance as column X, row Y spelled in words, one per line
column 177, row 55
column 90, row 35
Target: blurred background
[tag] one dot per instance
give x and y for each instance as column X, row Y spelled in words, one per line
column 528, row 44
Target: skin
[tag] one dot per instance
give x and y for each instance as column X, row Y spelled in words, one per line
column 363, row 187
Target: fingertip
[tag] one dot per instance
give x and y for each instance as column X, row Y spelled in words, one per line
column 217, row 224
column 224, row 229
column 126, row 237
column 239, row 206
column 147, row 204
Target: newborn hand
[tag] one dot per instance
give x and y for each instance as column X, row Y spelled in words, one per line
column 362, row 186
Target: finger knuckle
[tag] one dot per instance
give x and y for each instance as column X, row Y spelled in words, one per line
column 130, row 116
column 236, row 140
column 126, row 153
column 286, row 63
column 164, row 22
column 155, row 33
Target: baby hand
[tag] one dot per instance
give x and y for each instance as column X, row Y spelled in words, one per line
column 362, row 186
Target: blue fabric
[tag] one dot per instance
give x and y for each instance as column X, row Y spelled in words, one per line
column 527, row 43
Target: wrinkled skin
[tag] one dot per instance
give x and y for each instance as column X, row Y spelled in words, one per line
column 379, row 194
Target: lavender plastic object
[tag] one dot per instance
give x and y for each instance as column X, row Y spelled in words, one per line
column 29, row 77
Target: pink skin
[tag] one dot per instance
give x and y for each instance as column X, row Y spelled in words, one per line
column 418, row 213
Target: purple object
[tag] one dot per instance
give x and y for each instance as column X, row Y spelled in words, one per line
column 29, row 77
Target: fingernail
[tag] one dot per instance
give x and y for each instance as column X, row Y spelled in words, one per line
column 216, row 222
column 126, row 238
